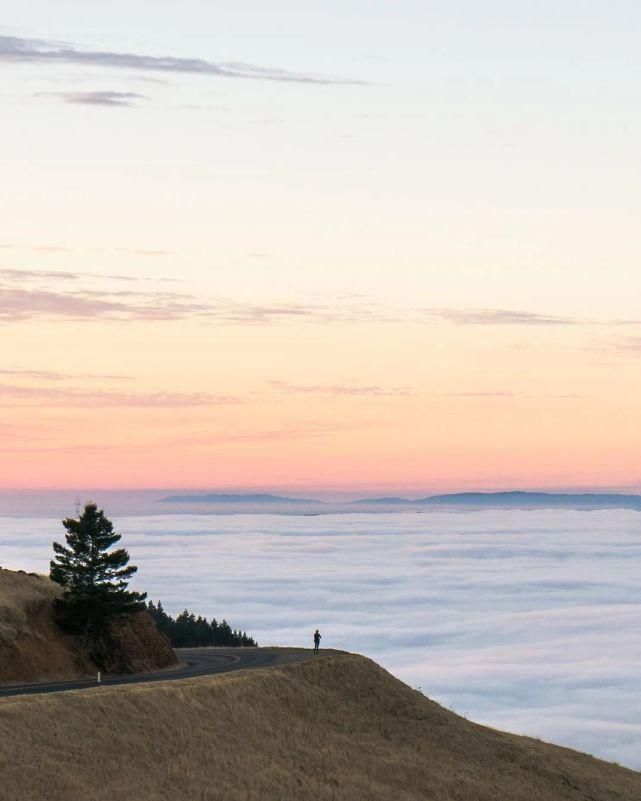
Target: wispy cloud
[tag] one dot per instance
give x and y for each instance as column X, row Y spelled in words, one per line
column 59, row 249
column 499, row 317
column 25, row 304
column 20, row 303
column 40, row 51
column 51, row 375
column 81, row 301
column 338, row 390
column 11, row 275
column 53, row 396
column 627, row 345
column 316, row 312
column 98, row 98
column 38, row 248
column 144, row 252
column 308, row 431
column 482, row 395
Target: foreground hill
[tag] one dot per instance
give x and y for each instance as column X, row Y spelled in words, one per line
column 33, row 648
column 336, row 728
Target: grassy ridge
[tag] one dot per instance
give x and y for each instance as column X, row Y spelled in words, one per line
column 335, row 728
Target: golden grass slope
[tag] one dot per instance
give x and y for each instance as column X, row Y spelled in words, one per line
column 337, row 728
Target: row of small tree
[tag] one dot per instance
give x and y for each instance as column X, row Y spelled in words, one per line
column 189, row 631
column 95, row 582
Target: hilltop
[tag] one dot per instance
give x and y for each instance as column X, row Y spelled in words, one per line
column 33, row 648
column 335, row 728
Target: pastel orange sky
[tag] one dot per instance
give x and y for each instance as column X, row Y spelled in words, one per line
column 403, row 255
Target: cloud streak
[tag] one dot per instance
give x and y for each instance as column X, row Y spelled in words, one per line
column 51, row 375
column 25, row 304
column 19, row 302
column 110, row 99
column 337, row 390
column 18, row 50
column 627, row 345
column 481, row 395
column 58, row 249
column 11, row 275
column 10, row 394
column 499, row 317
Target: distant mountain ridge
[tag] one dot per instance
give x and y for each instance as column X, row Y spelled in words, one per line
column 516, row 499
column 519, row 499
column 215, row 497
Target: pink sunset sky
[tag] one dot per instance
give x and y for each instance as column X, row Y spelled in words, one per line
column 320, row 253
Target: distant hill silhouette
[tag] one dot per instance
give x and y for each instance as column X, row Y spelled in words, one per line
column 279, row 504
column 236, row 499
column 387, row 501
column 518, row 500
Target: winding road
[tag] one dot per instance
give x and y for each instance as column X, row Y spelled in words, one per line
column 196, row 662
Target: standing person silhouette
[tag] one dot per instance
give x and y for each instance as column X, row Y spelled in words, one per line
column 317, row 639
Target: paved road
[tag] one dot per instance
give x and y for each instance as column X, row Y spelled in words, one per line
column 198, row 662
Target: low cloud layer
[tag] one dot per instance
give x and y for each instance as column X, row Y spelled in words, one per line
column 522, row 620
column 17, row 50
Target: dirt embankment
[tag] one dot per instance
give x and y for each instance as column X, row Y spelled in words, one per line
column 336, row 728
column 33, row 648
column 135, row 645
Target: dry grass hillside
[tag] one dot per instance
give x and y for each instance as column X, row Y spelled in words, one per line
column 32, row 647
column 337, row 728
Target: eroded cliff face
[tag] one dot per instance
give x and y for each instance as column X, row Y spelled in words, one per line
column 34, row 648
column 134, row 645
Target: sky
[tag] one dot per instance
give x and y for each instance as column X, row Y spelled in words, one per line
column 340, row 246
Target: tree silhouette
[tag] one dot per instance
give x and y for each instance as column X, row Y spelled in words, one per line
column 189, row 631
column 93, row 577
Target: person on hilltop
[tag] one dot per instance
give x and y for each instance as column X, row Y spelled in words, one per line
column 317, row 639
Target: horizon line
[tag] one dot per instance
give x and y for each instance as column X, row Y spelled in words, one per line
column 364, row 491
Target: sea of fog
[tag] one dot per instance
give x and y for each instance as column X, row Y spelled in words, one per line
column 526, row 621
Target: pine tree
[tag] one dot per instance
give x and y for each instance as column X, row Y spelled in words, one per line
column 93, row 577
